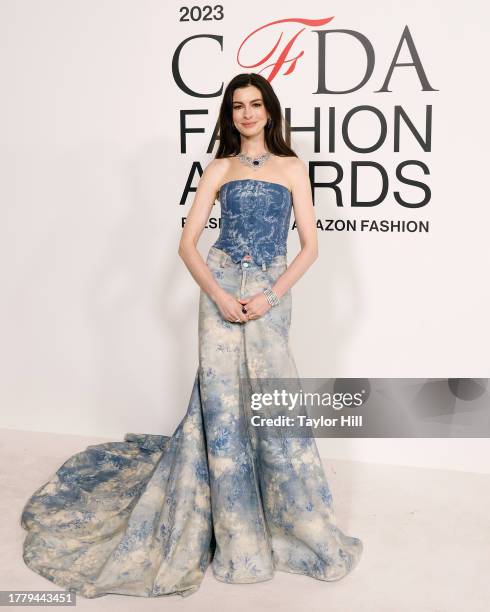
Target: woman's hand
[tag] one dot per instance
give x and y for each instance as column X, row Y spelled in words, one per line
column 256, row 305
column 230, row 308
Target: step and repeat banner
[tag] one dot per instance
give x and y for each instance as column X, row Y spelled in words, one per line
column 109, row 118
column 376, row 101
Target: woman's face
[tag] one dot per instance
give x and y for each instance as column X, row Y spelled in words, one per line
column 249, row 113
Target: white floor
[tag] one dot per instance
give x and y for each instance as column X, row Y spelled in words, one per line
column 426, row 536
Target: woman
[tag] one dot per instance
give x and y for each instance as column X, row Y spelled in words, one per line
column 148, row 515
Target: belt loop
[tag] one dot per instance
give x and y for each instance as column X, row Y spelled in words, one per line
column 264, row 267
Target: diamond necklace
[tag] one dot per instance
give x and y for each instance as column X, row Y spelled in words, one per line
column 253, row 162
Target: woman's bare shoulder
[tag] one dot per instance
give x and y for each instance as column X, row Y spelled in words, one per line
column 295, row 163
column 217, row 165
column 292, row 166
column 215, row 170
column 212, row 176
column 290, row 162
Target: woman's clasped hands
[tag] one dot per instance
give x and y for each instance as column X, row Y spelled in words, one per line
column 242, row 310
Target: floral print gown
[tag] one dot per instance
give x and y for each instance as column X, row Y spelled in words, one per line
column 148, row 515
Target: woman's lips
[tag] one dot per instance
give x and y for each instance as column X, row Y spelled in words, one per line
column 249, row 124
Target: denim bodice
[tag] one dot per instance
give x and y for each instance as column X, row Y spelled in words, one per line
column 255, row 219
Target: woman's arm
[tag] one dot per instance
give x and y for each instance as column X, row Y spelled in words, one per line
column 304, row 214
column 196, row 220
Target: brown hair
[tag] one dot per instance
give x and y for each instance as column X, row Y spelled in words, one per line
column 229, row 136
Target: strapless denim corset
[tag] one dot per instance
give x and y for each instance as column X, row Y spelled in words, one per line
column 255, row 219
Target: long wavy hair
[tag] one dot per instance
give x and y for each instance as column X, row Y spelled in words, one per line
column 229, row 136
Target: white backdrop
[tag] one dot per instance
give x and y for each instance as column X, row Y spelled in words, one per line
column 99, row 314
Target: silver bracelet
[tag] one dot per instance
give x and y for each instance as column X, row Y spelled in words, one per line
column 271, row 297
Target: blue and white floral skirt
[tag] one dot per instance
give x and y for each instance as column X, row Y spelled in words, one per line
column 146, row 516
